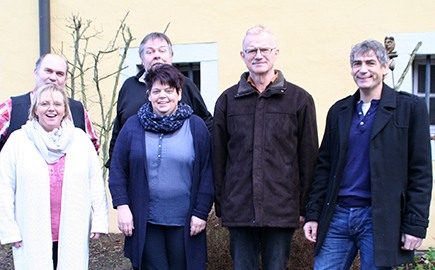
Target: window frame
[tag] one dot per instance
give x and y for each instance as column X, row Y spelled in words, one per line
column 421, row 60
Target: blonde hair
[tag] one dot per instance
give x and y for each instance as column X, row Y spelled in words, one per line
column 37, row 96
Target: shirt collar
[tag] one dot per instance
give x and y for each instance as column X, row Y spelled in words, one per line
column 251, row 82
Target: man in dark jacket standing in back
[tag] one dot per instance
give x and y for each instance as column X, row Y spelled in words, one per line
column 373, row 180
column 155, row 49
column 264, row 153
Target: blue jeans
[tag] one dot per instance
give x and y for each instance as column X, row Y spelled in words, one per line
column 350, row 230
column 247, row 242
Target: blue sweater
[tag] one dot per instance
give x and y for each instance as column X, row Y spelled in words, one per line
column 170, row 158
column 355, row 184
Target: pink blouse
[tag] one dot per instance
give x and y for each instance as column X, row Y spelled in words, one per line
column 56, row 172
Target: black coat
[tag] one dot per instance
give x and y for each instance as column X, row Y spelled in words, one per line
column 400, row 172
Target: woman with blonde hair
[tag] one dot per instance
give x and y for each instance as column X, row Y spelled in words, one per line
column 50, row 186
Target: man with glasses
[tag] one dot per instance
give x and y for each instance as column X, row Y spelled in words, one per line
column 155, row 49
column 264, row 153
column 50, row 69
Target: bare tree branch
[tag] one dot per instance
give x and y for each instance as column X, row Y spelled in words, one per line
column 80, row 65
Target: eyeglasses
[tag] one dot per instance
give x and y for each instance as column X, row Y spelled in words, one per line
column 48, row 104
column 263, row 51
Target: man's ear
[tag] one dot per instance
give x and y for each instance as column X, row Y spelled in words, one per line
column 385, row 69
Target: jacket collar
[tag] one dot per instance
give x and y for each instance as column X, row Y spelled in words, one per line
column 277, row 87
column 388, row 99
column 139, row 76
column 383, row 114
column 385, row 110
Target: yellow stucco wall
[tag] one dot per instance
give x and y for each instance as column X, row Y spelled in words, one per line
column 315, row 37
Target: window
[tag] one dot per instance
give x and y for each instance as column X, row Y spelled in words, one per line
column 192, row 71
column 420, row 78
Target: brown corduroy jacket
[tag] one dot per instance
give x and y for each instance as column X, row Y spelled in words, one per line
column 264, row 154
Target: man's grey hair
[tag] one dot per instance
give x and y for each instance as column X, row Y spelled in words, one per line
column 366, row 47
column 39, row 62
column 258, row 29
column 152, row 36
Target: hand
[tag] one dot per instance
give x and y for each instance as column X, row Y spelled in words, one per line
column 411, row 242
column 96, row 235
column 125, row 220
column 16, row 244
column 197, row 225
column 310, row 230
column 301, row 221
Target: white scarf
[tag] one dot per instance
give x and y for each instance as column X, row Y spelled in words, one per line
column 51, row 145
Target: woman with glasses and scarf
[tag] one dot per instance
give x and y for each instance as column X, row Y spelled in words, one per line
column 161, row 179
column 50, row 186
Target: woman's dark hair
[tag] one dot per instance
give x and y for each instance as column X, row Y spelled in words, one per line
column 165, row 74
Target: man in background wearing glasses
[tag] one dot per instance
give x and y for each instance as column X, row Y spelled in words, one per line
column 264, row 154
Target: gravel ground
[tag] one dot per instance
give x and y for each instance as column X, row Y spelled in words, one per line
column 107, row 252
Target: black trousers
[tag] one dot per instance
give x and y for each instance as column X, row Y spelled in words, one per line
column 55, row 249
column 164, row 248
